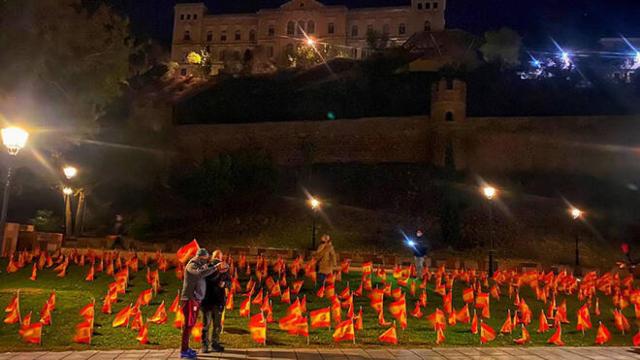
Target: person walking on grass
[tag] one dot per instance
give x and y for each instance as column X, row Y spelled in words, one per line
column 193, row 291
column 215, row 299
column 419, row 250
column 326, row 257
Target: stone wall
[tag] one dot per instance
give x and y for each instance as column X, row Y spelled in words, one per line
column 598, row 146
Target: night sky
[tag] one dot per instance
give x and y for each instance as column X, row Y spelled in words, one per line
column 574, row 23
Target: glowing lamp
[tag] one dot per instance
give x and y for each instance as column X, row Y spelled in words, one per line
column 311, row 42
column 489, row 192
column 576, row 213
column 14, row 138
column 314, row 203
column 411, row 243
column 67, row 191
column 70, row 172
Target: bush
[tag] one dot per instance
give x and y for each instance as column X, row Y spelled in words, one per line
column 45, row 220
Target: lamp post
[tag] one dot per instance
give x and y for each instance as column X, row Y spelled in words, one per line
column 14, row 139
column 490, row 194
column 315, row 205
column 69, row 172
column 67, row 192
column 576, row 215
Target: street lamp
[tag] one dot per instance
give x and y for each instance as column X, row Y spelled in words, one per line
column 70, row 172
column 14, row 139
column 68, row 226
column 310, row 41
column 490, row 194
column 315, row 205
column 576, row 215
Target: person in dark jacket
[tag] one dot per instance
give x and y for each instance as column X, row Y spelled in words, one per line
column 419, row 250
column 213, row 304
column 193, row 291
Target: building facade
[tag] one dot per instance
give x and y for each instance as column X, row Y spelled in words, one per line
column 275, row 32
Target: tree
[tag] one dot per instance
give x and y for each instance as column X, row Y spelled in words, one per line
column 308, row 55
column 502, row 46
column 377, row 41
column 68, row 61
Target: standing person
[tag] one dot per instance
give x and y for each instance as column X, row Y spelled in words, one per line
column 215, row 299
column 419, row 249
column 193, row 291
column 118, row 231
column 326, row 257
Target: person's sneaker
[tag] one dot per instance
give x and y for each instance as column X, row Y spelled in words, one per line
column 205, row 349
column 217, row 348
column 187, row 355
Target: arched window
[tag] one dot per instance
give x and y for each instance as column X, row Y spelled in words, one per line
column 311, row 27
column 427, row 25
column 209, row 36
column 354, row 30
column 291, row 28
column 448, row 116
column 223, row 36
column 300, row 28
column 402, row 29
column 252, row 35
column 238, row 35
column 331, row 28
column 187, row 35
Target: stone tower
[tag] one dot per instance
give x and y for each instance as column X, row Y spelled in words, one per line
column 449, row 101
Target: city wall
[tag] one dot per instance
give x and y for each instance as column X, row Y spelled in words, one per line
column 597, row 145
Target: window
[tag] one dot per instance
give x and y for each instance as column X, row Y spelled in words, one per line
column 181, row 16
column 291, row 26
column 331, row 28
column 435, row 5
column 238, row 35
column 208, row 48
column 419, row 6
column 188, row 16
column 223, row 36
column 385, row 29
column 271, row 31
column 311, row 27
column 300, row 28
column 270, row 51
column 183, row 72
column 402, row 29
column 354, row 30
column 448, row 116
column 252, row 35
column 427, row 25
column 187, row 35
column 195, row 16
column 427, row 5
column 209, row 36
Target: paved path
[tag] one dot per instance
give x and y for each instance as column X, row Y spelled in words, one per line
column 525, row 353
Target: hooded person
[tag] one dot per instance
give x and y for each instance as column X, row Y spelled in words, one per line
column 326, row 257
column 193, row 291
column 212, row 306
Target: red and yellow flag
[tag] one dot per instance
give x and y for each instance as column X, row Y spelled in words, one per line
column 245, row 307
column 344, row 331
column 83, row 333
column 525, row 338
column 122, row 317
column 188, row 251
column 603, row 335
column 258, row 328
column 32, row 334
column 556, row 338
column 159, row 316
column 543, row 324
column 320, row 318
column 486, row 333
column 143, row 334
column 389, row 336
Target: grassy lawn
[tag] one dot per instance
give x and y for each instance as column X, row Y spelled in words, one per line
column 73, row 293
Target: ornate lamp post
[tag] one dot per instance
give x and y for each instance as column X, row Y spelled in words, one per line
column 69, row 172
column 577, row 215
column 490, row 193
column 14, row 139
column 315, row 205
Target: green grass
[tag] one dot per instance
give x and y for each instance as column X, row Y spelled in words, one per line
column 73, row 293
